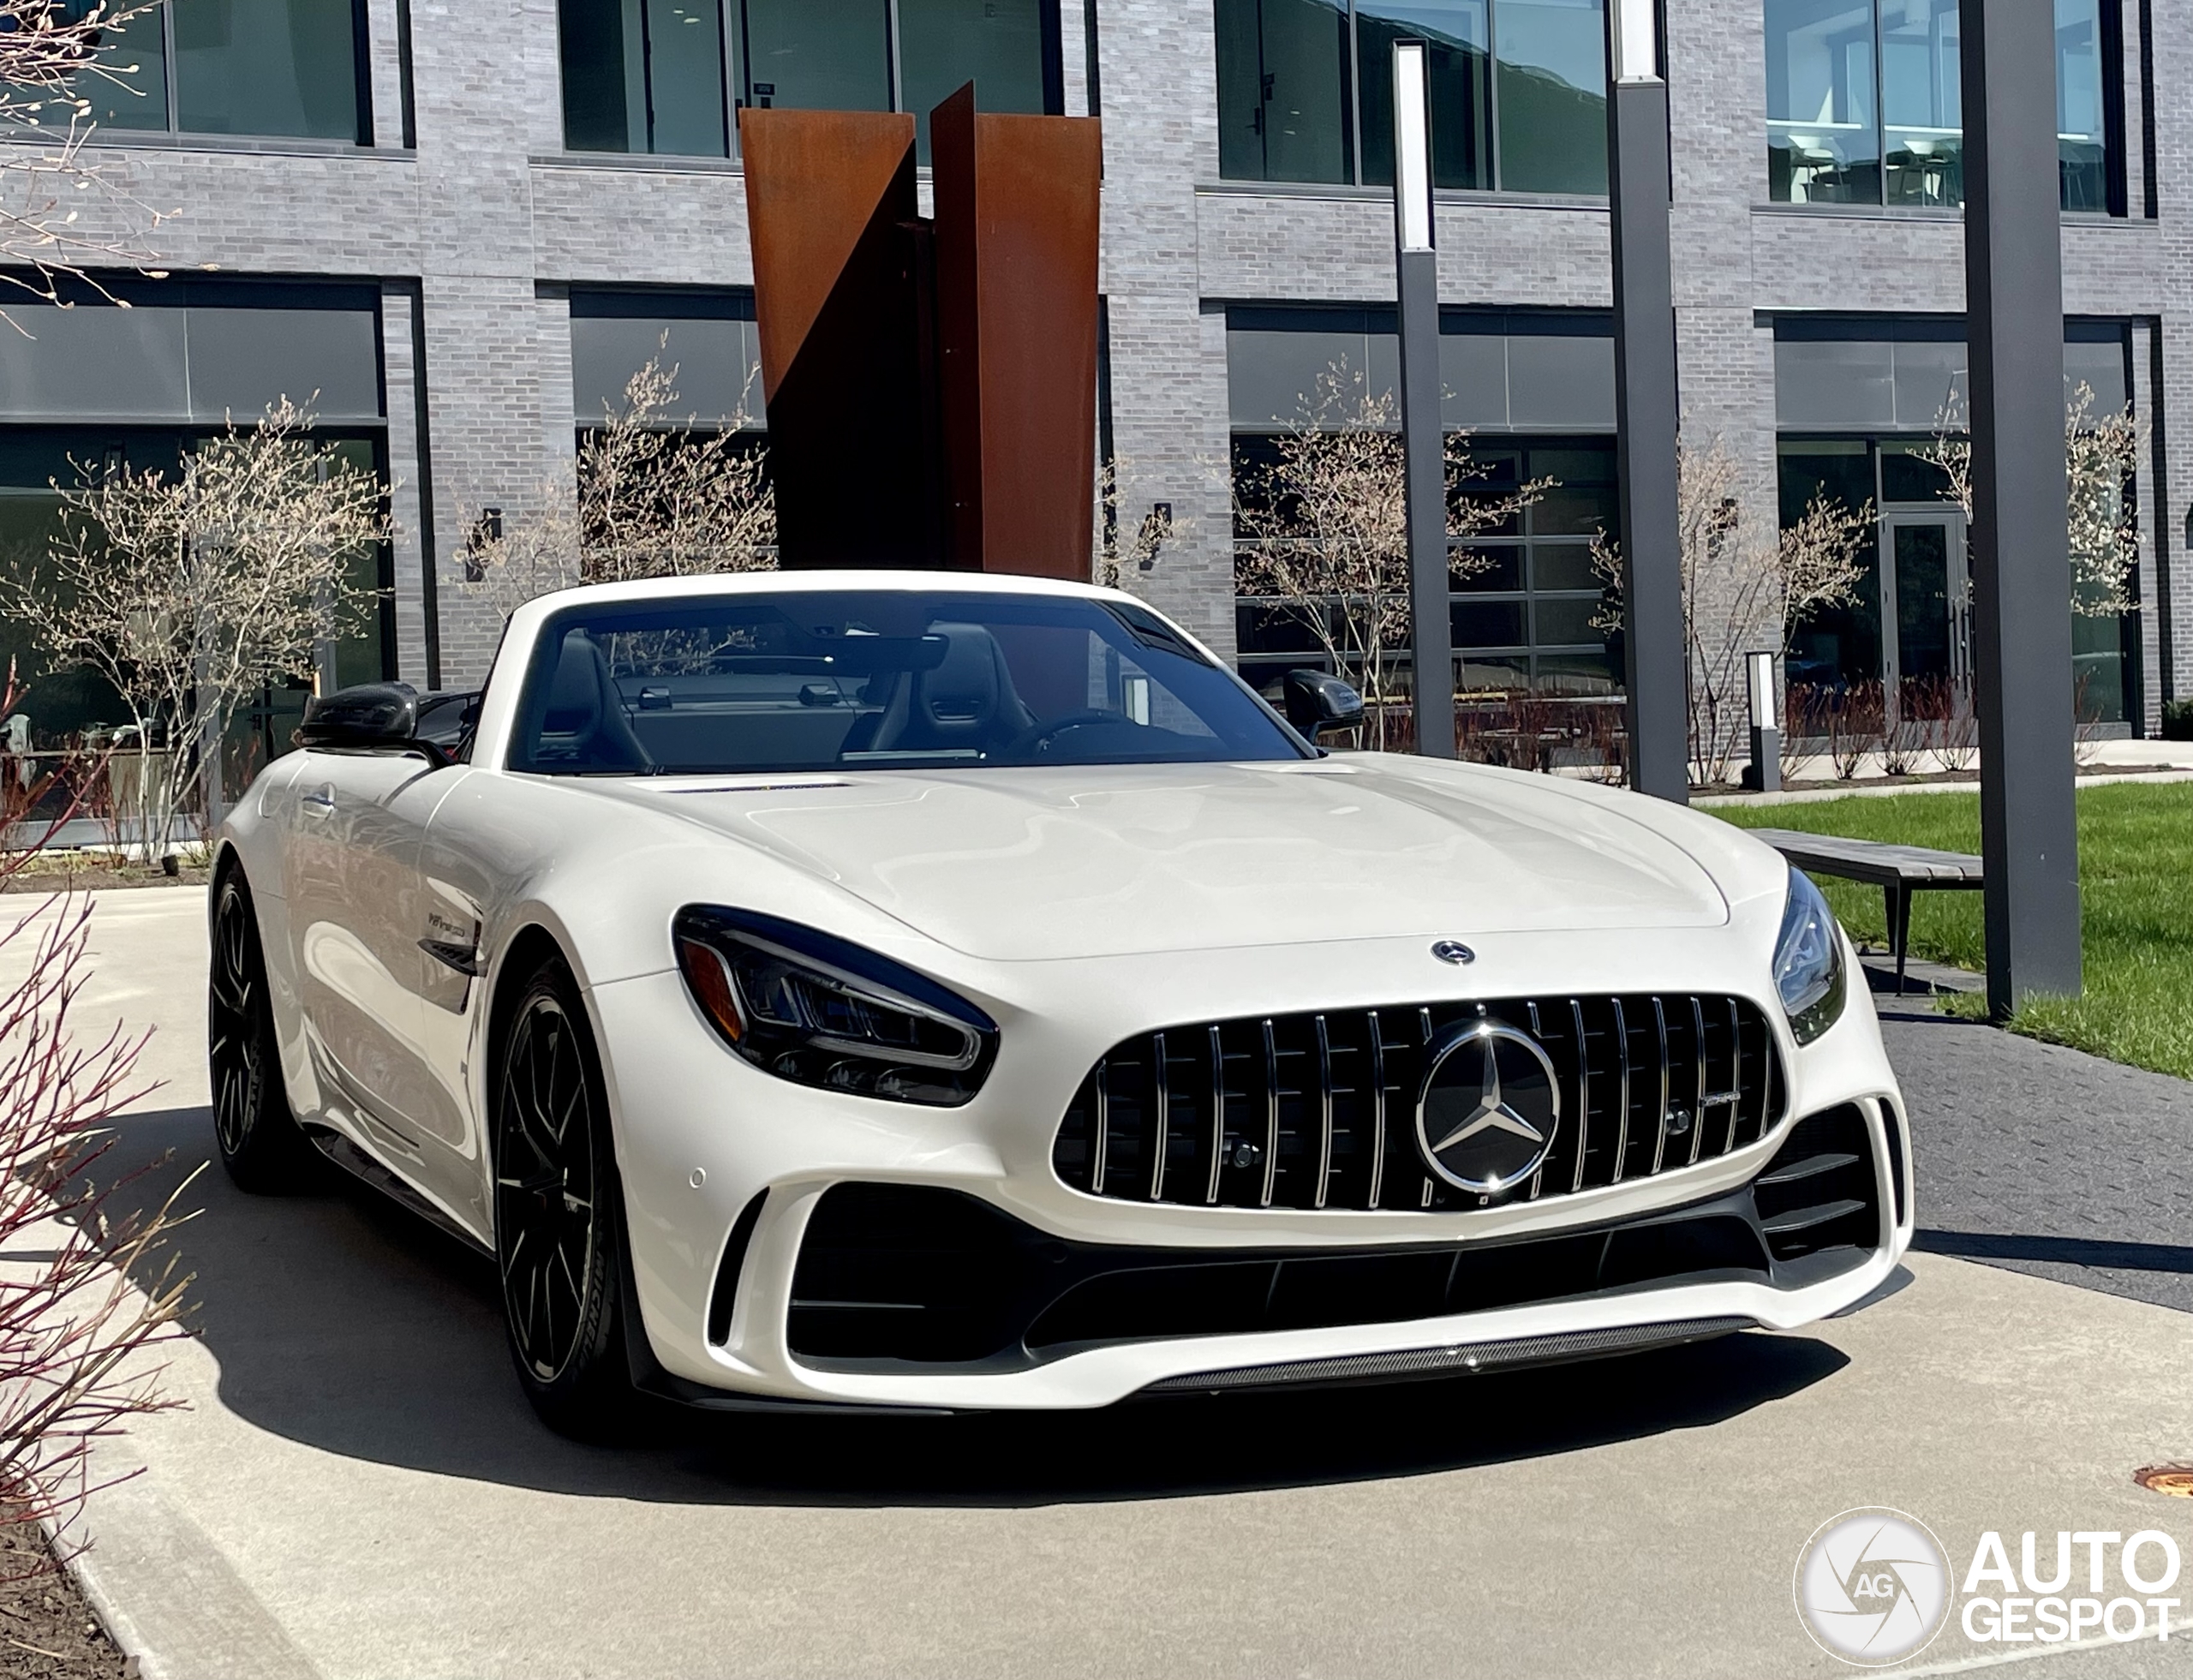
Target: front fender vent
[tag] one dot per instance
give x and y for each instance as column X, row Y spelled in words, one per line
column 1319, row 1111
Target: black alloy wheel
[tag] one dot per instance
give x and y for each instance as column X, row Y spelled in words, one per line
column 261, row 1145
column 558, row 1239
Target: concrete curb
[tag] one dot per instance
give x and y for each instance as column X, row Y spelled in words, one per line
column 168, row 1597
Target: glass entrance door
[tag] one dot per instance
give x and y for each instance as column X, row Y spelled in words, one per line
column 1928, row 662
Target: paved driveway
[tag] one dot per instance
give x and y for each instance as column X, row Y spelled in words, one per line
column 358, row 1490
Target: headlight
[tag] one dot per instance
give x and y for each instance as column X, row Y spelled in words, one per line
column 1809, row 960
column 820, row 1011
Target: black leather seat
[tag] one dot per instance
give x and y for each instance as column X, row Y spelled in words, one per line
column 966, row 701
column 585, row 723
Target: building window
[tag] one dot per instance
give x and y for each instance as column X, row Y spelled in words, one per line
column 1535, row 390
column 1523, row 609
column 1859, row 403
column 669, row 76
column 294, row 69
column 709, row 338
column 94, row 386
column 1863, row 104
column 1518, row 91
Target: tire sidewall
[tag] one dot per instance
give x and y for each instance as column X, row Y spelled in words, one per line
column 270, row 1154
column 585, row 1396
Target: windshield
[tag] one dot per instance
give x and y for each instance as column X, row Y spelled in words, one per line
column 882, row 679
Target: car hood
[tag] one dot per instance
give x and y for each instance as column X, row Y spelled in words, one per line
column 1012, row 865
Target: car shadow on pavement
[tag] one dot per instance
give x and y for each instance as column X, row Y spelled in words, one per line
column 2064, row 1250
column 342, row 1322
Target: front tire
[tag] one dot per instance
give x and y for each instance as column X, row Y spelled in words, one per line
column 557, row 1238
column 261, row 1145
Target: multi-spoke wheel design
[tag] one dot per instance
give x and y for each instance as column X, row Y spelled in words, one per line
column 544, row 1188
column 261, row 1144
column 232, row 1047
column 556, row 1233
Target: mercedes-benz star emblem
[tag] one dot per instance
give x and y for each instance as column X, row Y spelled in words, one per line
column 1453, row 951
column 1489, row 1109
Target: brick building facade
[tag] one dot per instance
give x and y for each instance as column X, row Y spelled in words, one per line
column 460, row 206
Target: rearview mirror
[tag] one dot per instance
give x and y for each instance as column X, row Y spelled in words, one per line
column 370, row 717
column 1320, row 703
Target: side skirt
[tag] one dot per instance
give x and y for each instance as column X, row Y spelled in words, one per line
column 367, row 1170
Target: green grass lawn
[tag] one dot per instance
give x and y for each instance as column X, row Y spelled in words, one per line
column 2136, row 884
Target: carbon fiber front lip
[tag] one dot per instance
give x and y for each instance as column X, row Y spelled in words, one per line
column 1478, row 1357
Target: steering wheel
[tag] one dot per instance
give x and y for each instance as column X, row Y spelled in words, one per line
column 1033, row 740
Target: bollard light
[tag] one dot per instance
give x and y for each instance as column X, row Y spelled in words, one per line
column 1763, row 715
column 1765, row 772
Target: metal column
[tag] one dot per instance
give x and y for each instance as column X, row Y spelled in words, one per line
column 2021, row 569
column 1423, row 441
column 1645, row 412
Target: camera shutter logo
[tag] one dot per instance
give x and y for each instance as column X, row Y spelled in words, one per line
column 1873, row 1586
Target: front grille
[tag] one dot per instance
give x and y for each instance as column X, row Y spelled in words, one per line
column 897, row 1275
column 1311, row 1111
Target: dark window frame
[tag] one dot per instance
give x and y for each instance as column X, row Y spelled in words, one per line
column 736, row 78
column 1353, row 109
column 1263, row 664
column 2109, row 48
column 362, row 90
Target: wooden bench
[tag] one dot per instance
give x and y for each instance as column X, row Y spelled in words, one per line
column 1898, row 871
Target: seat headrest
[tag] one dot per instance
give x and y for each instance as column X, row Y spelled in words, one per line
column 961, row 693
column 575, row 696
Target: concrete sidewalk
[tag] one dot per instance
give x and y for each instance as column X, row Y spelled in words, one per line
column 358, row 1489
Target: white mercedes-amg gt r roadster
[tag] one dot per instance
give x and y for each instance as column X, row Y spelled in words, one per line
column 857, row 990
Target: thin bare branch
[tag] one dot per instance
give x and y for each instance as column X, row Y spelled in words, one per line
column 188, row 591
column 1324, row 530
column 1744, row 588
column 653, row 496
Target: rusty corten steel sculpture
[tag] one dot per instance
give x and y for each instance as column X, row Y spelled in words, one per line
column 931, row 387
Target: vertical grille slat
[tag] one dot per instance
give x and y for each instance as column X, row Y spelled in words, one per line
column 1217, row 1115
column 1378, row 1112
column 1736, row 1076
column 1425, row 1035
column 1271, row 1113
column 1583, row 1094
column 1157, row 1125
column 1324, row 1178
column 1698, row 1060
column 1621, row 1095
column 1660, row 1124
column 1171, row 1116
column 1099, row 1148
column 1538, row 1031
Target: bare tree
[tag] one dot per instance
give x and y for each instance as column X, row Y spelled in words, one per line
column 1743, row 590
column 1121, row 553
column 655, row 496
column 73, row 1322
column 1325, row 530
column 2101, row 452
column 49, row 49
column 189, row 591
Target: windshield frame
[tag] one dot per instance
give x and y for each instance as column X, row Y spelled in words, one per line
column 524, row 711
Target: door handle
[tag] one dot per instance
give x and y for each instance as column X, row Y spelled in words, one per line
column 320, row 802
